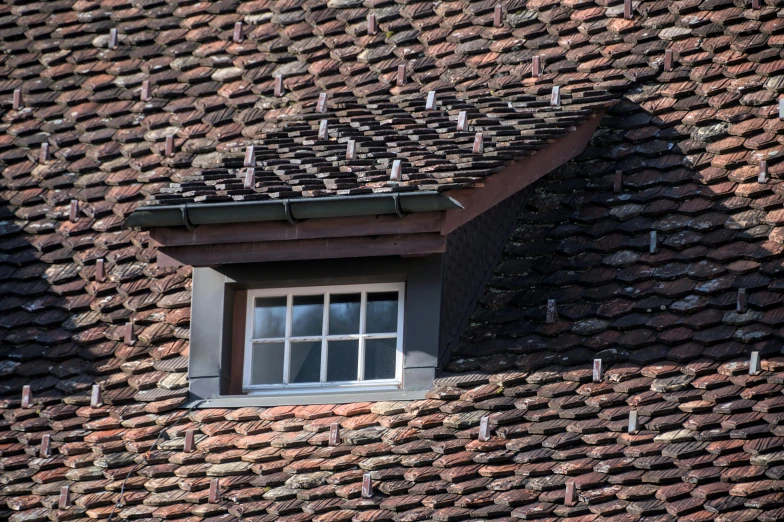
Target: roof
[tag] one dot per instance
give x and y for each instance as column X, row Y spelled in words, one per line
column 688, row 144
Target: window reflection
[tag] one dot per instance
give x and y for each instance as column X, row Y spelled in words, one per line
column 344, row 314
column 307, row 315
column 270, row 317
column 382, row 312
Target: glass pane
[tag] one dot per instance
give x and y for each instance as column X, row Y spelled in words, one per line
column 344, row 314
column 307, row 316
column 380, row 358
column 382, row 313
column 342, row 361
column 305, row 365
column 270, row 317
column 266, row 363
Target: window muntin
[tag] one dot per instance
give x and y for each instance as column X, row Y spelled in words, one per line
column 324, row 337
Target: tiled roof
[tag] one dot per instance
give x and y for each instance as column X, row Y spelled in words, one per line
column 683, row 149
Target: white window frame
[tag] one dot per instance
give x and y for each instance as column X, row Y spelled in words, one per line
column 358, row 385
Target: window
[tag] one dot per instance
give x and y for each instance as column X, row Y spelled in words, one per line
column 334, row 337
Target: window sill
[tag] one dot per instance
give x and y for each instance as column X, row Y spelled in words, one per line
column 304, row 399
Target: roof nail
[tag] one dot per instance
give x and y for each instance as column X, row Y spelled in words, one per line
column 27, row 396
column 351, row 149
column 250, row 178
column 17, row 101
column 371, row 24
column 552, row 311
column 323, row 131
column 462, row 116
column 43, row 156
column 479, row 143
column 250, row 157
column 618, row 182
column 113, row 38
column 555, row 96
column 536, row 67
column 597, row 370
column 754, row 363
column 497, row 16
column 321, row 105
column 401, row 75
column 654, row 246
column 430, row 104
column 627, row 9
column 46, row 446
column 633, row 421
column 169, row 150
column 65, row 498
column 145, row 94
column 278, row 86
column 569, row 496
column 762, row 177
column 130, row 335
column 237, row 37
column 334, row 434
column 742, row 303
column 189, row 442
column 484, row 429
column 367, row 486
column 215, row 494
column 100, row 270
column 96, row 398
column 668, row 59
column 73, row 213
column 397, row 170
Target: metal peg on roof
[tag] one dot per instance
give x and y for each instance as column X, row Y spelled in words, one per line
column 742, row 304
column 96, row 399
column 321, row 105
column 237, row 36
column 46, row 446
column 169, row 148
column 754, row 363
column 633, row 420
column 430, row 104
column 628, row 9
column 367, row 486
column 484, row 429
column 498, row 14
column 65, row 498
column 100, row 270
column 401, row 75
column 762, row 176
column 536, row 66
column 334, row 434
column 73, row 210
column 668, row 59
column 597, row 370
column 214, row 495
column 250, row 178
column 372, row 29
column 250, row 157
column 113, row 38
column 462, row 118
column 278, row 86
column 189, row 445
column 27, row 396
column 654, row 246
column 351, row 149
column 396, row 174
column 618, row 182
column 323, row 133
column 43, row 155
column 145, row 94
column 569, row 496
column 552, row 311
column 17, row 100
column 479, row 143
column 130, row 335
column 555, row 96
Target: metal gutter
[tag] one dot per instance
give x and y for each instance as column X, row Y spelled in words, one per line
column 291, row 210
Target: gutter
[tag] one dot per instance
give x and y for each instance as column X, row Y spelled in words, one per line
column 291, row 210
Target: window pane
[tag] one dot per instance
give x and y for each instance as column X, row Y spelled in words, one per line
column 380, row 358
column 342, row 361
column 307, row 315
column 269, row 318
column 344, row 314
column 266, row 363
column 382, row 313
column 305, row 364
